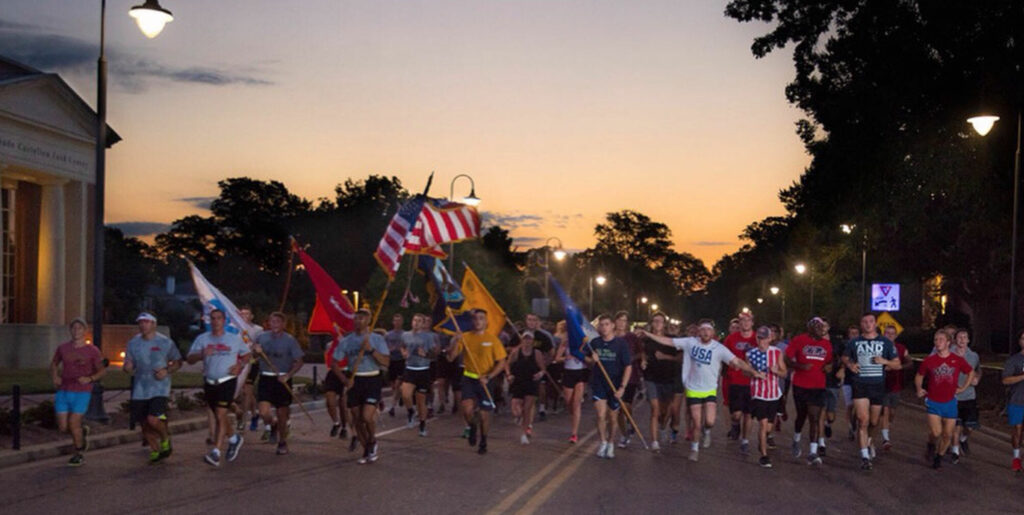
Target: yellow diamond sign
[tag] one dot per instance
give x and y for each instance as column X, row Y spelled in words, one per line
column 885, row 320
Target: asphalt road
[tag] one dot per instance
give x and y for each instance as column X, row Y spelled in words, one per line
column 442, row 474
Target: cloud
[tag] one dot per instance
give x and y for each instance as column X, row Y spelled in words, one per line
column 51, row 52
column 200, row 202
column 712, row 243
column 137, row 229
column 511, row 221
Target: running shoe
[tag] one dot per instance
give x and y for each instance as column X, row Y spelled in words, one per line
column 273, row 437
column 353, row 443
column 734, row 432
column 472, row 435
column 165, row 448
column 964, row 448
column 525, row 440
column 694, row 455
column 828, row 430
column 265, row 437
column 955, row 459
column 391, row 411
column 344, row 433
column 674, row 436
column 542, row 416
column 865, row 464
column 465, row 432
column 482, row 449
column 365, row 459
column 240, row 424
column 408, row 417
column 610, row 454
column 374, row 454
column 937, row 462
column 254, row 424
column 872, row 451
column 886, row 445
column 822, row 451
column 706, row 439
column 423, row 431
column 1016, row 465
column 623, row 442
column 282, row 449
column 813, row 460
column 655, row 446
column 573, row 439
column 745, row 448
column 602, row 452
column 85, row 438
column 765, row 462
column 213, row 458
column 234, row 447
column 334, row 430
column 771, row 442
column 78, row 459
column 154, row 457
column 796, row 449
column 529, row 431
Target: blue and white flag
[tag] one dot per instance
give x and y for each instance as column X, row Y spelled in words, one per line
column 212, row 298
column 580, row 330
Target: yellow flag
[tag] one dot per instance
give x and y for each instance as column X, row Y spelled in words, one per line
column 477, row 297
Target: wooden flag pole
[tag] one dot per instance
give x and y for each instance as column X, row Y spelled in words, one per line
column 622, row 404
column 462, row 341
column 286, row 387
column 288, row 274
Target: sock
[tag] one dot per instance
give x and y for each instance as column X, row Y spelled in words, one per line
column 963, row 438
column 864, row 453
column 796, row 437
column 483, row 440
column 233, row 439
column 814, row 448
column 956, row 449
column 542, row 408
column 745, row 441
column 821, row 442
column 707, row 430
column 423, row 425
column 216, row 451
column 695, row 446
column 1016, row 453
column 885, row 434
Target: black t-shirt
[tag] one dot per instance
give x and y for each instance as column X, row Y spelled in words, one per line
column 661, row 371
column 543, row 341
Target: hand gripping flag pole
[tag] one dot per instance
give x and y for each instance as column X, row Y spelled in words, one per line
column 286, row 387
column 622, row 405
column 462, row 342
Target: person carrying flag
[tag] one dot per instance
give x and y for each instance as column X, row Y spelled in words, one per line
column 367, row 355
column 484, row 360
column 280, row 359
column 151, row 358
column 943, row 370
column 612, row 353
column 765, row 388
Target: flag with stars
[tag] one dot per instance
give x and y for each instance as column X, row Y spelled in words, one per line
column 767, row 389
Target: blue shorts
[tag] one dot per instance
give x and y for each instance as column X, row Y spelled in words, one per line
column 602, row 392
column 1015, row 412
column 71, row 402
column 942, row 409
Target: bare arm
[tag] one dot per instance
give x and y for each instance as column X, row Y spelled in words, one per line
column 664, row 340
column 968, row 383
column 919, row 385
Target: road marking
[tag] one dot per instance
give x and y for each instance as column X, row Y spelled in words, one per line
column 536, row 500
column 526, row 487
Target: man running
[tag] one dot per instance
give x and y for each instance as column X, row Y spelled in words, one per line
column 484, row 360
column 609, row 354
column 738, row 344
column 419, row 350
column 524, row 369
column 285, row 360
column 223, row 355
column 396, row 363
column 866, row 358
column 852, row 333
column 893, row 386
column 636, row 351
column 248, row 400
column 766, row 390
column 659, row 366
column 545, row 343
column 575, row 377
column 943, row 370
column 833, row 388
column 334, row 393
column 1013, row 377
column 810, row 357
column 966, row 400
column 75, row 366
column 151, row 358
column 367, row 354
column 702, row 360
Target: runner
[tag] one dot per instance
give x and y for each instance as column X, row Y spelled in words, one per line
column 75, row 366
column 150, row 358
column 780, row 342
column 810, row 357
column 419, row 351
column 702, row 361
column 574, row 379
column 738, row 344
column 1013, row 376
column 449, row 376
column 545, row 343
column 678, row 392
column 943, row 370
column 524, row 369
column 367, row 354
column 485, row 360
column 222, row 354
column 894, row 378
column 966, row 401
column 833, row 384
column 285, row 360
column 396, row 363
column 248, row 398
column 852, row 333
column 866, row 358
column 612, row 353
column 636, row 351
column 334, row 393
column 766, row 390
column 659, row 367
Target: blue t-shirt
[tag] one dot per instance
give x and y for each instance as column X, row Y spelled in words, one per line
column 425, row 340
column 614, row 355
column 148, row 356
column 227, row 349
column 864, row 350
column 348, row 347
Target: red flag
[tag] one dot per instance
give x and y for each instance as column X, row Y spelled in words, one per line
column 328, row 295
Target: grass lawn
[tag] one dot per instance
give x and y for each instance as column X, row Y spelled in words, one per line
column 37, row 380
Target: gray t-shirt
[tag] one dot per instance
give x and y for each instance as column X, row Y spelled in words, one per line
column 148, row 356
column 1014, row 367
column 281, row 348
column 427, row 341
column 227, row 349
column 702, row 363
column 973, row 360
column 863, row 351
column 349, row 347
column 394, row 340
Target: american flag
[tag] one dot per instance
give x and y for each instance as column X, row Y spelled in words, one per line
column 420, row 226
column 764, row 361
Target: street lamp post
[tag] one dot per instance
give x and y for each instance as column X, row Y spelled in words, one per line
column 802, row 269
column 848, row 229
column 983, row 124
column 640, row 300
column 782, row 311
column 600, row 280
column 559, row 255
column 470, row 200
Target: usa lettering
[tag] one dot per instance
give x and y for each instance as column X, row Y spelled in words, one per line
column 702, row 356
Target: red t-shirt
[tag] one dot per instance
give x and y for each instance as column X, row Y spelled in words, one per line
column 803, row 349
column 943, row 375
column 78, row 362
column 894, row 378
column 738, row 345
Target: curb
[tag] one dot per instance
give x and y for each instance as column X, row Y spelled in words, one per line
column 44, row 451
column 1001, row 436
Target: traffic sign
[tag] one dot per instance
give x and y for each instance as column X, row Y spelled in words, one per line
column 885, row 297
column 885, row 319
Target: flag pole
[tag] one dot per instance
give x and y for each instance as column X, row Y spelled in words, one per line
column 288, row 272
column 286, row 387
column 462, row 341
column 625, row 410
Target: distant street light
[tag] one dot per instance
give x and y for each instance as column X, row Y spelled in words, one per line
column 782, row 296
column 559, row 255
column 151, row 18
column 848, row 229
column 470, row 200
column 760, row 300
column 983, row 123
column 600, row 280
column 802, row 269
column 774, row 290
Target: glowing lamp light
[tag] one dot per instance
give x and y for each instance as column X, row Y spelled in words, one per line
column 774, row 289
column 600, row 280
column 472, row 200
column 847, row 228
column 122, row 354
column 760, row 300
column 643, row 300
column 800, row 268
column 982, row 124
column 559, row 254
column 654, row 307
column 151, row 18
column 745, row 310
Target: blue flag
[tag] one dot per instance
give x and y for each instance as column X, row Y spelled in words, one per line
column 444, row 294
column 580, row 330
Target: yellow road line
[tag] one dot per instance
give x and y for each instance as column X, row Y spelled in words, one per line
column 552, row 486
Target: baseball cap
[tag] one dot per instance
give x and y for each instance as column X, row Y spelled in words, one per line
column 146, row 316
column 764, row 332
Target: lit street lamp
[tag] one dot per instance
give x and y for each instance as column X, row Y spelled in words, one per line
column 600, row 280
column 471, row 200
column 848, row 229
column 559, row 255
column 782, row 313
column 802, row 269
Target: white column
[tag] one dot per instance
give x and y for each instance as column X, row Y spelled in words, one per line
column 51, row 279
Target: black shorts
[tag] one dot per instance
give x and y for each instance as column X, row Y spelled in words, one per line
column 808, row 396
column 663, row 392
column 365, row 391
column 447, row 370
column 677, row 386
column 555, row 370
column 422, row 379
column 629, row 394
column 254, row 373
column 967, row 414
column 521, row 388
column 600, row 391
column 396, row 368
column 473, row 390
column 457, row 380
column 154, row 407
column 739, row 398
column 763, row 410
column 873, row 392
column 570, row 378
column 220, row 395
column 333, row 384
column 690, row 401
column 270, row 389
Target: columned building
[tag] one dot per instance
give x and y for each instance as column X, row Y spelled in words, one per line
column 47, row 176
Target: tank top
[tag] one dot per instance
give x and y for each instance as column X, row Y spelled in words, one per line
column 524, row 367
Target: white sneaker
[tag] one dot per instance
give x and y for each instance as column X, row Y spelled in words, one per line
column 602, row 451
column 694, row 455
column 705, row 440
column 611, row 452
column 655, row 446
column 525, row 440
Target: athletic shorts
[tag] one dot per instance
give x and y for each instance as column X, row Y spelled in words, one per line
column 457, row 380
column 421, row 379
column 677, row 386
column 873, row 392
column 739, row 398
column 967, row 414
column 555, row 370
column 396, row 368
column 847, row 395
column 333, row 384
column 694, row 397
column 808, row 396
column 365, row 391
column 629, row 394
column 943, row 409
column 220, row 395
column 570, row 378
column 520, row 388
column 600, row 391
column 891, row 399
column 761, row 409
column 447, row 369
column 254, row 373
column 663, row 392
column 153, row 407
column 473, row 390
column 71, row 402
column 831, row 399
column 270, row 389
column 1015, row 414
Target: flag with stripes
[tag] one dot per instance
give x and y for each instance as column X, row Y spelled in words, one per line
column 441, row 221
column 769, row 388
column 392, row 245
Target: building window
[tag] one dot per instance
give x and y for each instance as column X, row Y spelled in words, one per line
column 7, row 255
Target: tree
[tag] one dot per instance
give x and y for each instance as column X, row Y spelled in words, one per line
column 131, row 269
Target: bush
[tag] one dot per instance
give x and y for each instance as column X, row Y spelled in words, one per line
column 6, row 421
column 41, row 414
column 185, row 402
